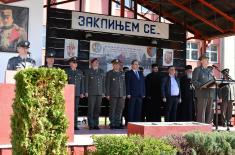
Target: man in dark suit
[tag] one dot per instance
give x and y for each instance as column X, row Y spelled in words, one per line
column 171, row 94
column 153, row 95
column 135, row 89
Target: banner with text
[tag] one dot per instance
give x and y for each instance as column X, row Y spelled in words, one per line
column 106, row 52
column 112, row 24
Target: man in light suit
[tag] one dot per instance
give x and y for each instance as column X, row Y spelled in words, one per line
column 135, row 89
column 205, row 96
column 227, row 94
column 171, row 94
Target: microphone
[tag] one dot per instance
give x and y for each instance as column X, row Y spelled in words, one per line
column 215, row 66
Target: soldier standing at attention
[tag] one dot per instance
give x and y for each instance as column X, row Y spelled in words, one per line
column 50, row 59
column 22, row 61
column 116, row 94
column 94, row 90
column 75, row 76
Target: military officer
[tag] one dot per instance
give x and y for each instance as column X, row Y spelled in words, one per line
column 227, row 94
column 115, row 93
column 205, row 96
column 50, row 59
column 94, row 90
column 22, row 61
column 10, row 33
column 75, row 76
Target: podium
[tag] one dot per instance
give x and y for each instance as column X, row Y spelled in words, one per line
column 9, row 76
column 217, row 83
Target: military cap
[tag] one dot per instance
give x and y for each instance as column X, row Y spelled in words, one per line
column 94, row 59
column 24, row 44
column 225, row 71
column 50, row 54
column 203, row 57
column 73, row 59
column 210, row 68
column 115, row 61
column 188, row 67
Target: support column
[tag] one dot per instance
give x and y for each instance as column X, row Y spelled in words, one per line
column 122, row 8
column 135, row 9
column 80, row 5
column 110, row 8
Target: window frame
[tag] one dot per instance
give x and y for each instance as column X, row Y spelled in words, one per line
column 192, row 49
column 209, row 51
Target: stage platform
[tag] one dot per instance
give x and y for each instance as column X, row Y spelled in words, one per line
column 160, row 129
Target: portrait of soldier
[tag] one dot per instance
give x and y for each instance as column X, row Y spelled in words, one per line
column 10, row 32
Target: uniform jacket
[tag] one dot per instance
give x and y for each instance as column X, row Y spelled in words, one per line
column 15, row 63
column 115, row 84
column 95, row 82
column 76, row 78
column 134, row 86
column 166, row 86
column 227, row 93
column 200, row 77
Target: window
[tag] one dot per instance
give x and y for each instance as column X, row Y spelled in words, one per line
column 192, row 51
column 212, row 53
column 128, row 3
column 143, row 9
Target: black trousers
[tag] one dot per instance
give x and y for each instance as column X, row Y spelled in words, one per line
column 135, row 109
column 171, row 108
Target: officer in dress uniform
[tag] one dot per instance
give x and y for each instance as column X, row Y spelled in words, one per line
column 75, row 76
column 50, row 59
column 10, row 33
column 22, row 61
column 116, row 94
column 94, row 90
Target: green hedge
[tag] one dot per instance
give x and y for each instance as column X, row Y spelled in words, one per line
column 38, row 122
column 214, row 143
column 131, row 145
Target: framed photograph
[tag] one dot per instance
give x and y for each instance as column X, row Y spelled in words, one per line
column 70, row 48
column 13, row 26
column 168, row 57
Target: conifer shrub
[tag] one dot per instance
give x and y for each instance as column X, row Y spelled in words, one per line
column 38, row 122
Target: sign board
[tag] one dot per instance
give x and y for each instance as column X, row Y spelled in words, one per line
column 112, row 24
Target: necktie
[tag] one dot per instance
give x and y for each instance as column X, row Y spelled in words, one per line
column 137, row 74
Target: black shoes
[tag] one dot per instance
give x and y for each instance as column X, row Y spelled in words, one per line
column 119, row 127
column 112, row 127
column 116, row 127
column 76, row 128
column 96, row 128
